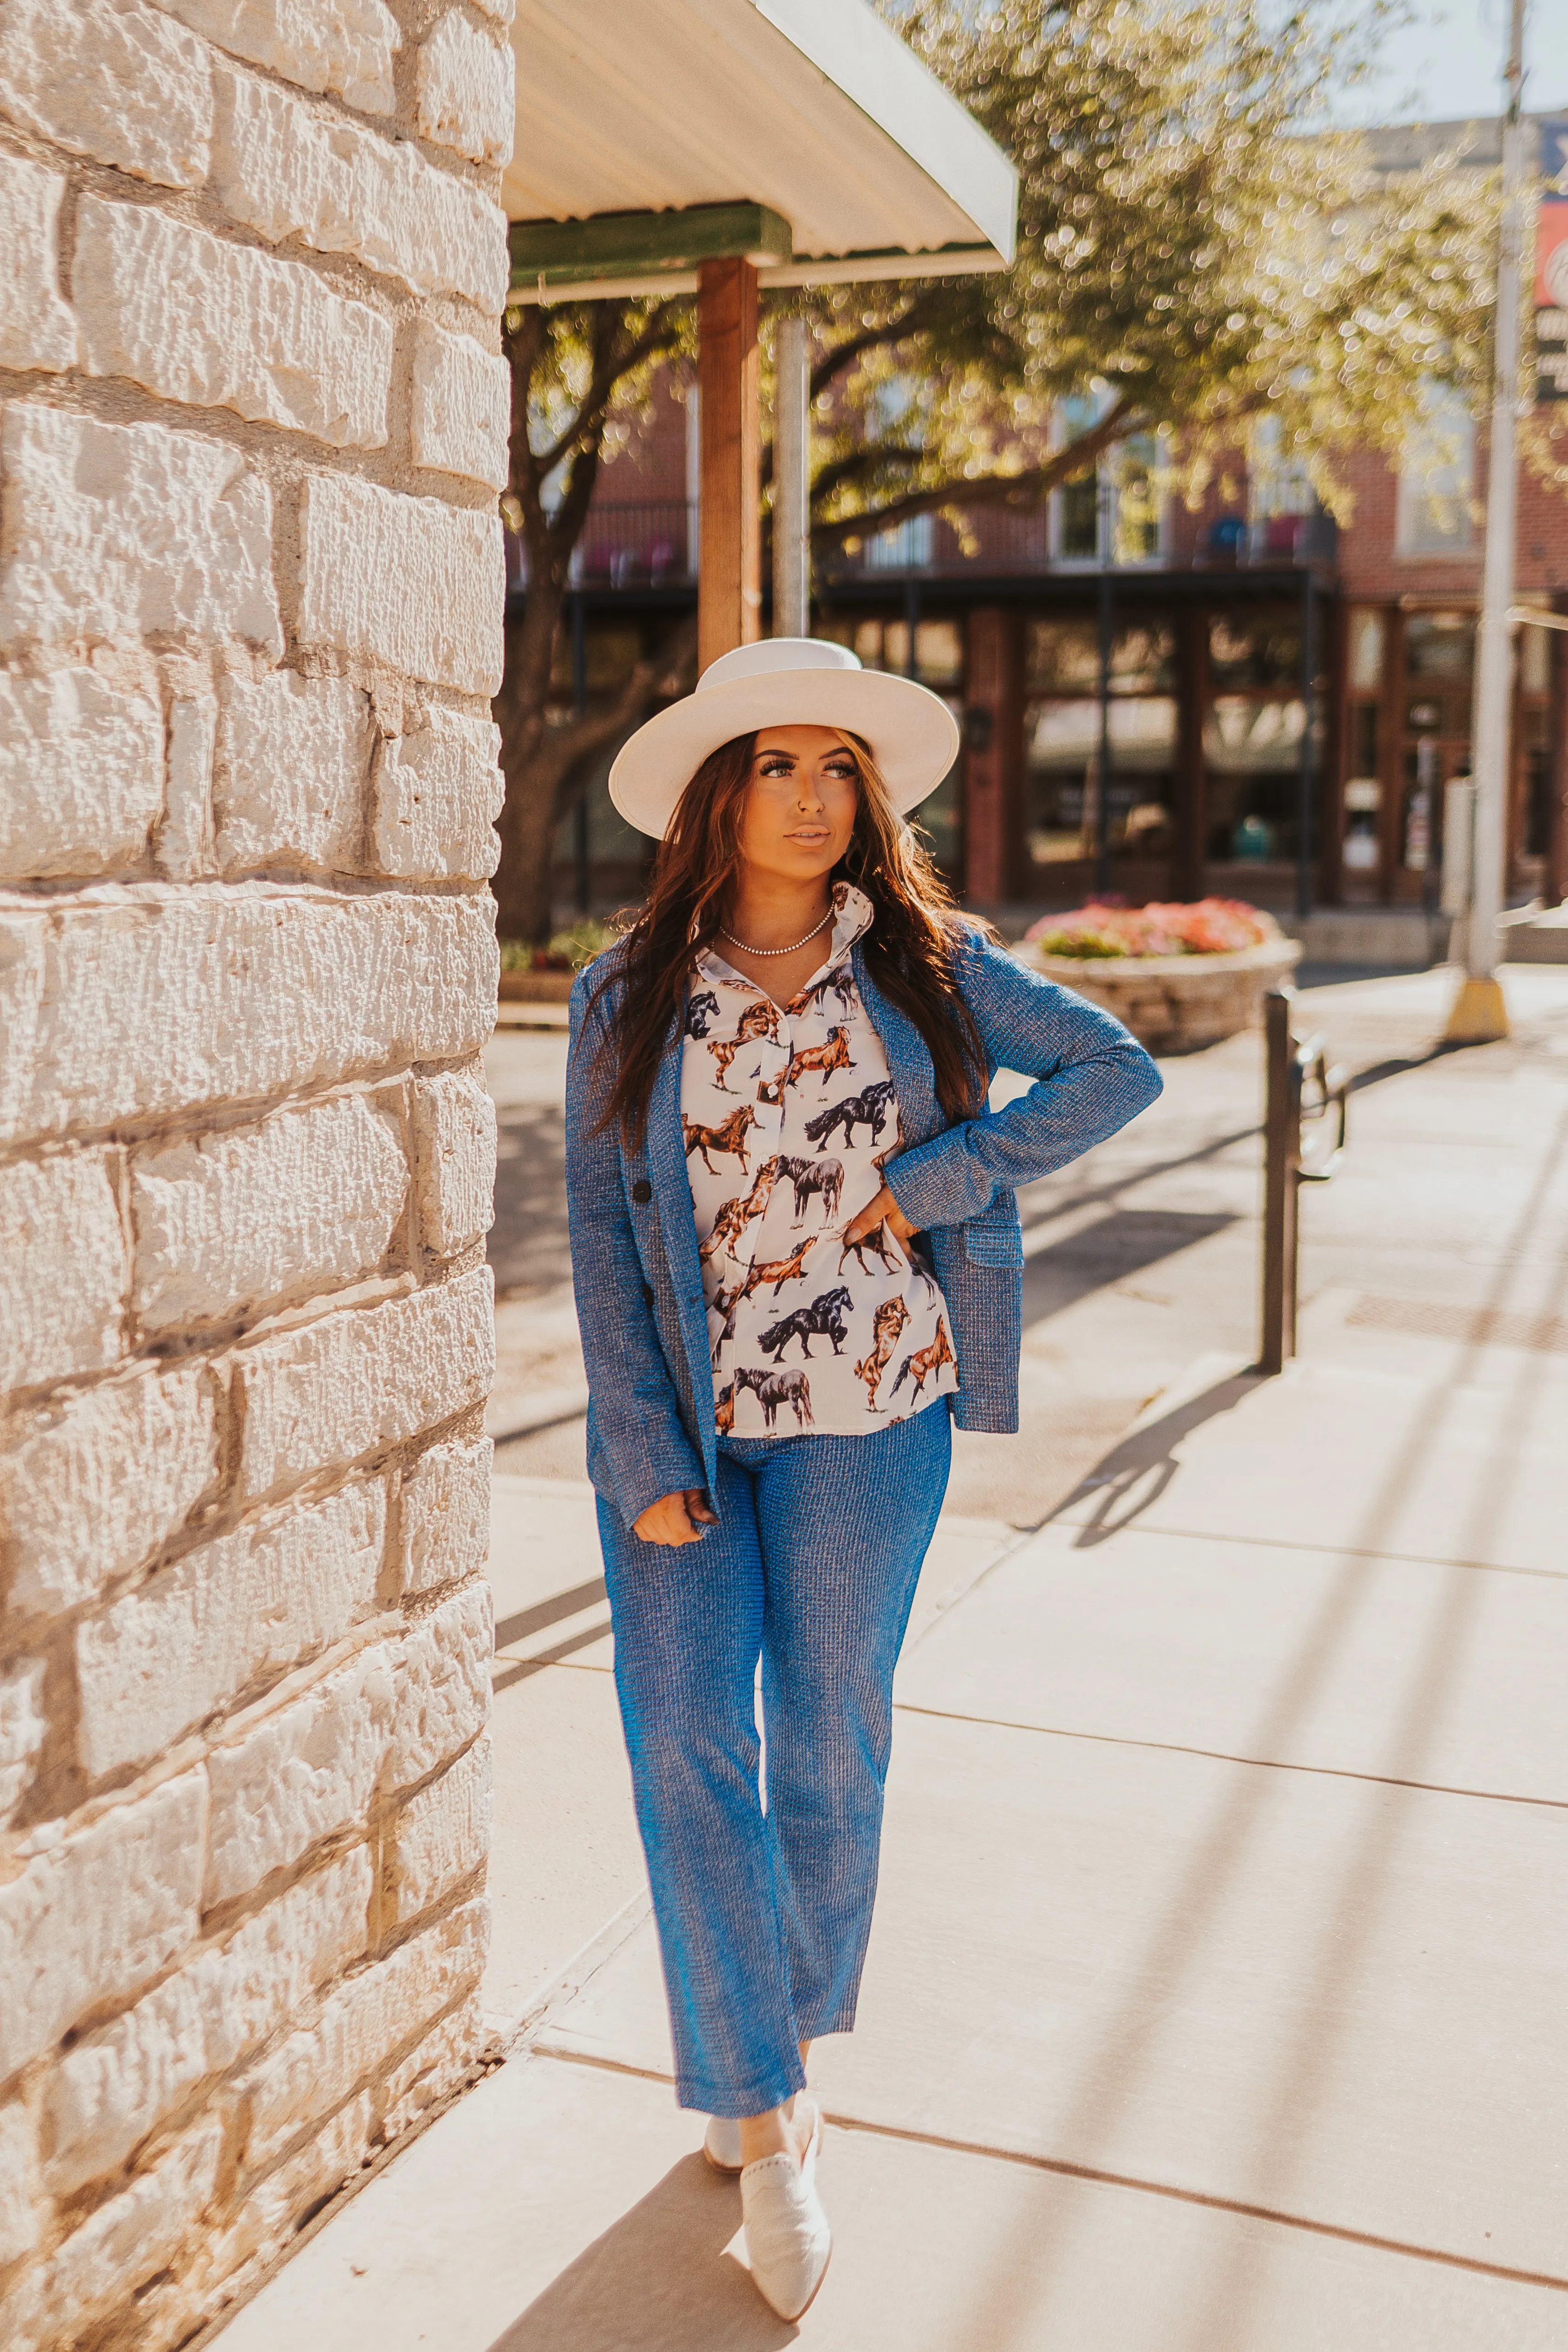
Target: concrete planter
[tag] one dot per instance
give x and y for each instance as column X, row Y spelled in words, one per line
column 535, row 987
column 1173, row 1004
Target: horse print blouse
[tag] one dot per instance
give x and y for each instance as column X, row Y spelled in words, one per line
column 788, row 1117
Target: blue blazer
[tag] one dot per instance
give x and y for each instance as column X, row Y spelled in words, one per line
column 634, row 1234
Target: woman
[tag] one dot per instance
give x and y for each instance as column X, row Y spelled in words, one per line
column 797, row 1258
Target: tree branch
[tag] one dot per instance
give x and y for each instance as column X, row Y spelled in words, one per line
column 834, row 363
column 661, row 332
column 563, row 748
column 1022, row 489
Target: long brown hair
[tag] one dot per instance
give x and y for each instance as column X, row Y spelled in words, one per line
column 908, row 949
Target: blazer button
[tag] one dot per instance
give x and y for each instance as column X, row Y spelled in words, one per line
column 642, row 1190
column 647, row 1294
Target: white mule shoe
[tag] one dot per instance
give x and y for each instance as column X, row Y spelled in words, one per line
column 787, row 2236
column 721, row 2145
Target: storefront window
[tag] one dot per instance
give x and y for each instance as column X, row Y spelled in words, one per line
column 1440, row 648
column 885, row 644
column 1063, row 748
column 1261, row 648
column 1064, row 658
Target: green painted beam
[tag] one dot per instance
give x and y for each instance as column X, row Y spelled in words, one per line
column 630, row 245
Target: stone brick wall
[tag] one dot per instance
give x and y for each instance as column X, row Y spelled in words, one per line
column 252, row 424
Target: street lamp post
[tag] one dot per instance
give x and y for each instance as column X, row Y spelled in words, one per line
column 1479, row 1011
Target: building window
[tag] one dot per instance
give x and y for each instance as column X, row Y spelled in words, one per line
column 1062, row 748
column 1128, row 525
column 1279, row 492
column 908, row 547
column 1252, row 738
column 1437, row 478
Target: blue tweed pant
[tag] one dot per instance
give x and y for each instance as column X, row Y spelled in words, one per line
column 764, row 1895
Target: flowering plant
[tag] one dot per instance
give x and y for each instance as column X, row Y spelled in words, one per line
column 1200, row 927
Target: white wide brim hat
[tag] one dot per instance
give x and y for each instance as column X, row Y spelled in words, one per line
column 785, row 682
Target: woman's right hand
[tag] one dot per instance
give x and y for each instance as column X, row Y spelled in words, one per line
column 676, row 1518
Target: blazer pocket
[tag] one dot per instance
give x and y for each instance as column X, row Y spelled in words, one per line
column 985, row 1245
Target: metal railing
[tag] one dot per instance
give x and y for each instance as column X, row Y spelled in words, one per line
column 652, row 542
column 1302, row 1092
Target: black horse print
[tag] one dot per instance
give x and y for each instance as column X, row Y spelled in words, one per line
column 700, row 1013
column 773, row 1389
column 823, row 1320
column 822, row 1177
column 876, row 1241
column 870, row 1106
column 727, row 1303
column 838, row 982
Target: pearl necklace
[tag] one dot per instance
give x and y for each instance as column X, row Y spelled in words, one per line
column 790, row 949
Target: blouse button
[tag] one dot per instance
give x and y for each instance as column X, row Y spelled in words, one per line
column 642, row 1190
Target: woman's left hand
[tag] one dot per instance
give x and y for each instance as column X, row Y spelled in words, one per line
column 883, row 1211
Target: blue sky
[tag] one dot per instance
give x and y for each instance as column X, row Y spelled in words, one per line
column 1446, row 63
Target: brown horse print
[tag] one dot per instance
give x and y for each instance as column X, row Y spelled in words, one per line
column 833, row 1055
column 759, row 1020
column 888, row 1324
column 779, row 1270
column 724, row 1410
column 728, row 1139
column 877, row 1241
column 735, row 1215
column 822, row 1177
column 823, row 1320
column 924, row 1362
column 775, row 1388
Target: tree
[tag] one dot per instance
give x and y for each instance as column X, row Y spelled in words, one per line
column 1188, row 247
column 1187, row 251
column 580, row 373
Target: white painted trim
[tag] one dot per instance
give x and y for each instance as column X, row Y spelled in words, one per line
column 853, row 48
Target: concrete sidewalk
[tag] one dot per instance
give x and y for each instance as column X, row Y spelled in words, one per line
column 1216, row 1999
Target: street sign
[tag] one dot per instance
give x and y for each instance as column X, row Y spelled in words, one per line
column 1551, row 264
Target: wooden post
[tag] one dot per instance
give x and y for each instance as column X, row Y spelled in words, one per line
column 730, row 578
column 992, row 755
column 1192, row 775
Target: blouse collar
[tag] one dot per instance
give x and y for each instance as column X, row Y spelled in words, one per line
column 852, row 919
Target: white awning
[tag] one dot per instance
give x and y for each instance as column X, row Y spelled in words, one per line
column 814, row 108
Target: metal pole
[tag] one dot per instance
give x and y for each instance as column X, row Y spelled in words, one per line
column 1479, row 1012
column 1107, row 651
column 792, row 483
column 1305, row 774
column 1279, row 1193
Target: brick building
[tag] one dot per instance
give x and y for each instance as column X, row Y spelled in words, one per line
column 1284, row 699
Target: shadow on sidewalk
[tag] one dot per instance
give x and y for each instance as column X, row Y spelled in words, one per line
column 1122, row 1243
column 657, row 2282
column 1134, row 1474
